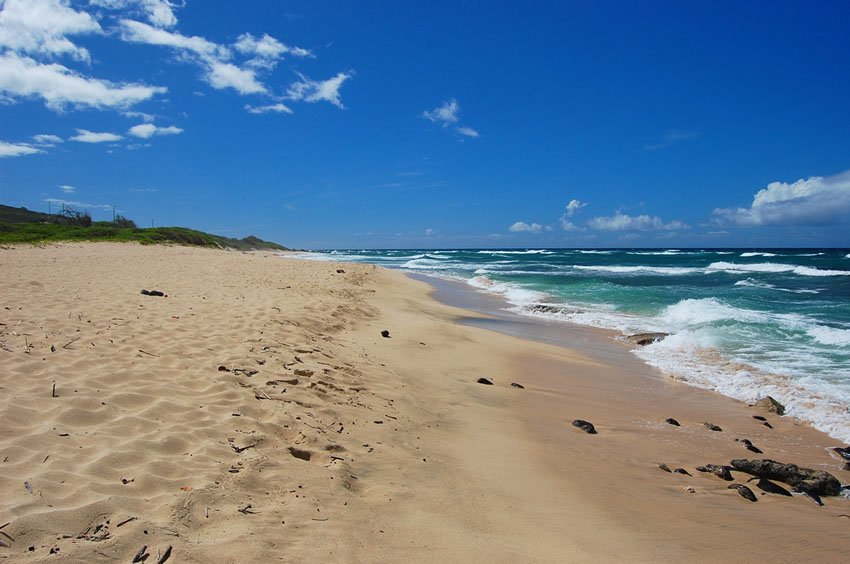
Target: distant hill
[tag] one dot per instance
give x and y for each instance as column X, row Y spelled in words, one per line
column 20, row 225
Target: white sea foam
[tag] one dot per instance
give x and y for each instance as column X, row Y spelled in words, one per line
column 669, row 252
column 830, row 335
column 772, row 267
column 592, row 252
column 749, row 282
column 513, row 293
column 529, row 252
column 664, row 270
column 758, row 254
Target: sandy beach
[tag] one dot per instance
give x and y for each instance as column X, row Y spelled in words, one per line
column 256, row 412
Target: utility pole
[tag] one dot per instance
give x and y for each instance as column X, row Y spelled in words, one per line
column 113, row 214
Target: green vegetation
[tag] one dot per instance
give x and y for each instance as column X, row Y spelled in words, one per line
column 20, row 225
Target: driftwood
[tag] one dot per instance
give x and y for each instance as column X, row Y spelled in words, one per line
column 140, row 555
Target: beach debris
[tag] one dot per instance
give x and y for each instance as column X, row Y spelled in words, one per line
column 843, row 452
column 585, row 426
column 749, row 445
column 167, row 554
column 665, row 467
column 247, row 510
column 771, row 405
column 847, row 466
column 300, row 454
column 722, row 472
column 53, row 391
column 712, row 426
column 643, row 339
column 745, row 492
column 125, row 521
column 52, row 348
column 689, row 489
column 305, row 372
column 672, row 421
column 519, row 386
column 247, row 372
column 155, row 293
column 28, row 486
column 149, row 354
column 760, row 417
column 804, row 480
column 484, row 381
column 340, row 271
column 141, row 555
column 126, row 481
column 385, row 334
column 223, row 368
column 682, row 471
column 770, row 487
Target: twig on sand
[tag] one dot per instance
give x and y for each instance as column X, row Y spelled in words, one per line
column 147, row 353
column 165, row 555
column 125, row 521
column 242, row 449
column 71, row 342
column 257, row 394
column 207, row 512
column 246, row 510
column 140, row 555
column 320, row 518
column 53, row 392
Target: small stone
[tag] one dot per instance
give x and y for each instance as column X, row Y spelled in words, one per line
column 722, row 472
column 771, row 405
column 515, row 385
column 340, row 271
column 682, row 471
column 672, row 421
column 689, row 489
column 385, row 334
column 484, row 381
column 755, row 449
column 304, row 372
column 745, row 492
column 768, row 425
column 770, row 487
column 585, row 426
column 712, row 427
column 665, row 467
column 760, row 417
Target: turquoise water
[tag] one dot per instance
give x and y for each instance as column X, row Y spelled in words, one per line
column 744, row 322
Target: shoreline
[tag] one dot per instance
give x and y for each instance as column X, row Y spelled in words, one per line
column 354, row 446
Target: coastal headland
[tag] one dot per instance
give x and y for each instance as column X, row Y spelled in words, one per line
column 288, row 410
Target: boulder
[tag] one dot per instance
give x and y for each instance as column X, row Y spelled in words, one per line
column 585, row 426
column 804, row 480
column 643, row 339
column 771, row 405
column 545, row 308
column 665, row 467
column 722, row 472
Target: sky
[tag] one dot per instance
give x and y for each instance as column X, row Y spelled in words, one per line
column 388, row 124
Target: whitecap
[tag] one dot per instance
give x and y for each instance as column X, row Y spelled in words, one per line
column 773, row 267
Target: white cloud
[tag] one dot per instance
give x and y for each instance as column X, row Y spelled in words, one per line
column 41, row 27
column 67, row 188
column 318, row 90
column 147, row 118
column 86, row 136
column 445, row 114
column 623, row 222
column 83, row 205
column 222, row 75
column 273, row 108
column 147, row 130
column 523, row 227
column 138, row 32
column 430, row 232
column 16, row 149
column 266, row 50
column 574, row 206
column 468, row 132
column 59, row 86
column 46, row 139
column 159, row 12
column 816, row 200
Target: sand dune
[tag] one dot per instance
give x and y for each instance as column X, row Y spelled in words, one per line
column 256, row 413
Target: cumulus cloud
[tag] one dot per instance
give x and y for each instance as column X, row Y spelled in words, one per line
column 430, row 232
column 623, row 222
column 159, row 12
column 147, row 118
column 47, row 140
column 468, row 132
column 266, row 50
column 445, row 115
column 318, row 90
column 816, row 200
column 137, row 32
column 83, row 205
column 68, row 189
column 523, row 227
column 147, row 130
column 272, row 108
column 571, row 208
column 17, row 149
column 86, row 136
column 222, row 75
column 59, row 86
column 42, row 26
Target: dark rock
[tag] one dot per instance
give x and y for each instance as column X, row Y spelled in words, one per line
column 712, row 427
column 643, row 339
column 300, row 453
column 672, row 421
column 745, row 492
column 515, row 385
column 152, row 293
column 807, row 480
column 754, row 449
column 809, row 494
column 747, row 442
column 340, row 271
column 545, row 308
column 484, row 381
column 585, row 426
column 303, row 372
column 722, row 472
column 847, row 466
column 665, row 467
column 760, row 417
column 768, row 425
column 843, row 452
column 385, row 334
column 771, row 405
column 770, row 487
column 682, row 471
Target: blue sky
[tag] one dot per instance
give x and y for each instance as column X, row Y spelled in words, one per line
column 435, row 124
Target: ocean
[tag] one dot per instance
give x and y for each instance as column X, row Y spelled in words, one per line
column 744, row 322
